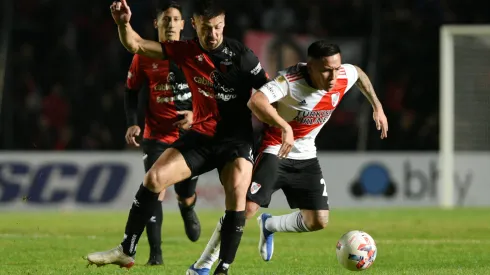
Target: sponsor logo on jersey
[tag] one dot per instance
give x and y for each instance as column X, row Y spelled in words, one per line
column 179, row 97
column 170, row 87
column 256, row 70
column 222, row 96
column 313, row 117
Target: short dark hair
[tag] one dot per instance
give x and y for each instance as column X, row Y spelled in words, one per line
column 167, row 5
column 208, row 8
column 322, row 48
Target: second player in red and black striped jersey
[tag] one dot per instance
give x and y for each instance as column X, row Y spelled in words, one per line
column 168, row 93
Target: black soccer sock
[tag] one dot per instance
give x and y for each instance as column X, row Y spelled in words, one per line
column 154, row 230
column 231, row 235
column 143, row 207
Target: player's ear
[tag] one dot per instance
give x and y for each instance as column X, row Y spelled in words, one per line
column 193, row 23
column 155, row 23
column 183, row 25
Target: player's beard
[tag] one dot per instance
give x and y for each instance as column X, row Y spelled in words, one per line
column 212, row 43
column 170, row 35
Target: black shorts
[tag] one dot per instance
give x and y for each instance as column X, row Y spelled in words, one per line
column 203, row 153
column 152, row 150
column 301, row 181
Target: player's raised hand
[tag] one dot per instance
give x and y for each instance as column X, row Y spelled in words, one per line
column 131, row 134
column 186, row 122
column 120, row 12
column 287, row 142
column 381, row 123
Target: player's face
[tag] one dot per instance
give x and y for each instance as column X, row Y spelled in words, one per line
column 324, row 71
column 169, row 25
column 209, row 30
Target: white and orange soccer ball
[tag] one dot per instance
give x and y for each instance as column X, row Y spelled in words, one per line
column 356, row 250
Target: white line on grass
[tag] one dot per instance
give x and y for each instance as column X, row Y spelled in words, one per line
column 433, row 241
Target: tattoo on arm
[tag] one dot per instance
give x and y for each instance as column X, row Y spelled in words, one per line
column 364, row 84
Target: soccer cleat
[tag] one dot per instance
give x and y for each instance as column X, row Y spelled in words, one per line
column 191, row 222
column 221, row 269
column 197, row 271
column 114, row 256
column 155, row 259
column 266, row 239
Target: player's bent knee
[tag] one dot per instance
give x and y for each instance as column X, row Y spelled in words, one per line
column 251, row 209
column 169, row 169
column 153, row 180
column 315, row 220
column 236, row 176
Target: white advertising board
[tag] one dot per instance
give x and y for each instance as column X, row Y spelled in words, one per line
column 65, row 181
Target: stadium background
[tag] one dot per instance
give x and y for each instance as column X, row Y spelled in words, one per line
column 62, row 73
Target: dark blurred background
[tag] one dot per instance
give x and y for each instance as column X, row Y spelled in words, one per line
column 65, row 68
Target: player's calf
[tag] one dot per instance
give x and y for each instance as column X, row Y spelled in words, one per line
column 186, row 196
column 236, row 177
column 315, row 219
column 251, row 209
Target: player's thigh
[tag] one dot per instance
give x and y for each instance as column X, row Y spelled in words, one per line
column 167, row 170
column 264, row 178
column 197, row 151
column 235, row 164
column 306, row 189
column 177, row 163
column 187, row 188
column 152, row 150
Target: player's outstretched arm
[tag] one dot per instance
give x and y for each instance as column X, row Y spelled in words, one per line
column 131, row 40
column 366, row 87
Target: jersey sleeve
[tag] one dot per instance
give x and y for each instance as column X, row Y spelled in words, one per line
column 253, row 69
column 276, row 89
column 352, row 75
column 176, row 51
column 135, row 74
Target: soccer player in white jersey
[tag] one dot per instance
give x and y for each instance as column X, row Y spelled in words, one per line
column 305, row 96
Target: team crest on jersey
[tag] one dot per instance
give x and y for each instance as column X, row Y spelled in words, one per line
column 254, row 188
column 154, row 66
column 200, row 58
column 335, row 99
column 171, row 77
column 281, row 79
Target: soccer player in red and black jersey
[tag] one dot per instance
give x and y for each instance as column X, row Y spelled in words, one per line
column 168, row 115
column 221, row 74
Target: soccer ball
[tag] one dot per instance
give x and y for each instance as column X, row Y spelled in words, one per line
column 356, row 250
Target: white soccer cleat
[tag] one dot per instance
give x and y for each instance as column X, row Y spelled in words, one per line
column 266, row 238
column 114, row 256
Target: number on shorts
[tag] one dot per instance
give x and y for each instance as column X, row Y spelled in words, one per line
column 325, row 194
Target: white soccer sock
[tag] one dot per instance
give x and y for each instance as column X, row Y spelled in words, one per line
column 292, row 222
column 211, row 252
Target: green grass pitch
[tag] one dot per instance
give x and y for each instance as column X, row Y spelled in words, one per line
column 409, row 241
